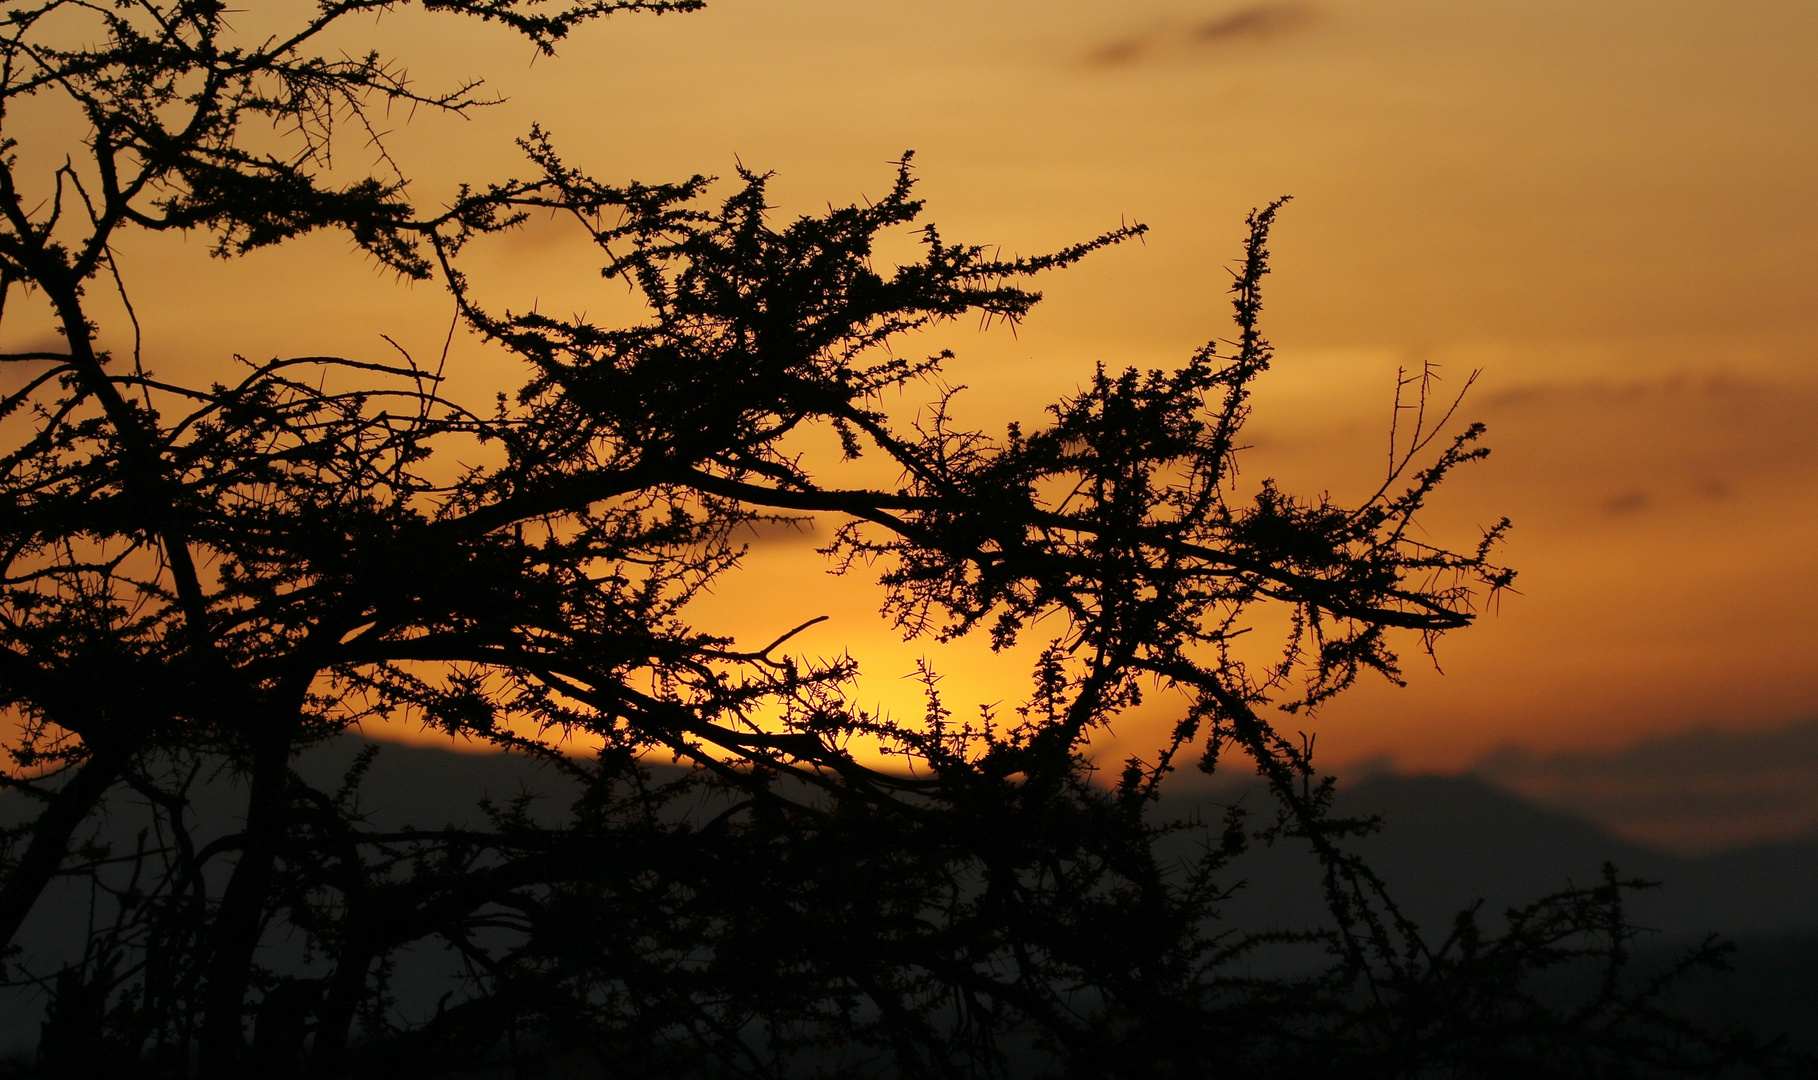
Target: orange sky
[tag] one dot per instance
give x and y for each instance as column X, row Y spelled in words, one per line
column 1607, row 206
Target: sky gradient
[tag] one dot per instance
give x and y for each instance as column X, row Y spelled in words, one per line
column 1606, row 207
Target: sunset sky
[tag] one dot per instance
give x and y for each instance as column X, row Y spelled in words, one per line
column 1610, row 208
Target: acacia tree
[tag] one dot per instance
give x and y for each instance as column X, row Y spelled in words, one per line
column 206, row 580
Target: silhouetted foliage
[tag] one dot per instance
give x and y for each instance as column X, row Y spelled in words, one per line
column 203, row 580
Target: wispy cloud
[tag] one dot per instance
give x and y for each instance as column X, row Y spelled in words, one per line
column 1261, row 22
column 1255, row 23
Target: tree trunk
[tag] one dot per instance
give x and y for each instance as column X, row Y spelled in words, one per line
column 240, row 921
column 51, row 834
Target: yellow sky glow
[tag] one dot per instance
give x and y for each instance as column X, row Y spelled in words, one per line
column 1605, row 206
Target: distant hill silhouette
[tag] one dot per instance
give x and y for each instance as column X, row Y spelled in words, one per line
column 1693, row 792
column 1447, row 842
column 1451, row 840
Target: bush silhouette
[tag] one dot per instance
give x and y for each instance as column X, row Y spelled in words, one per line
column 203, row 580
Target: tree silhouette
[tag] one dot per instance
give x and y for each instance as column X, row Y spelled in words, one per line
column 203, row 581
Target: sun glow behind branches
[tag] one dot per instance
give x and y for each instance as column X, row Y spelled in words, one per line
column 1606, row 208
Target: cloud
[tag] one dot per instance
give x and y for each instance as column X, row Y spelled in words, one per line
column 1628, row 502
column 1255, row 23
column 1696, row 791
column 1258, row 23
column 1671, row 450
